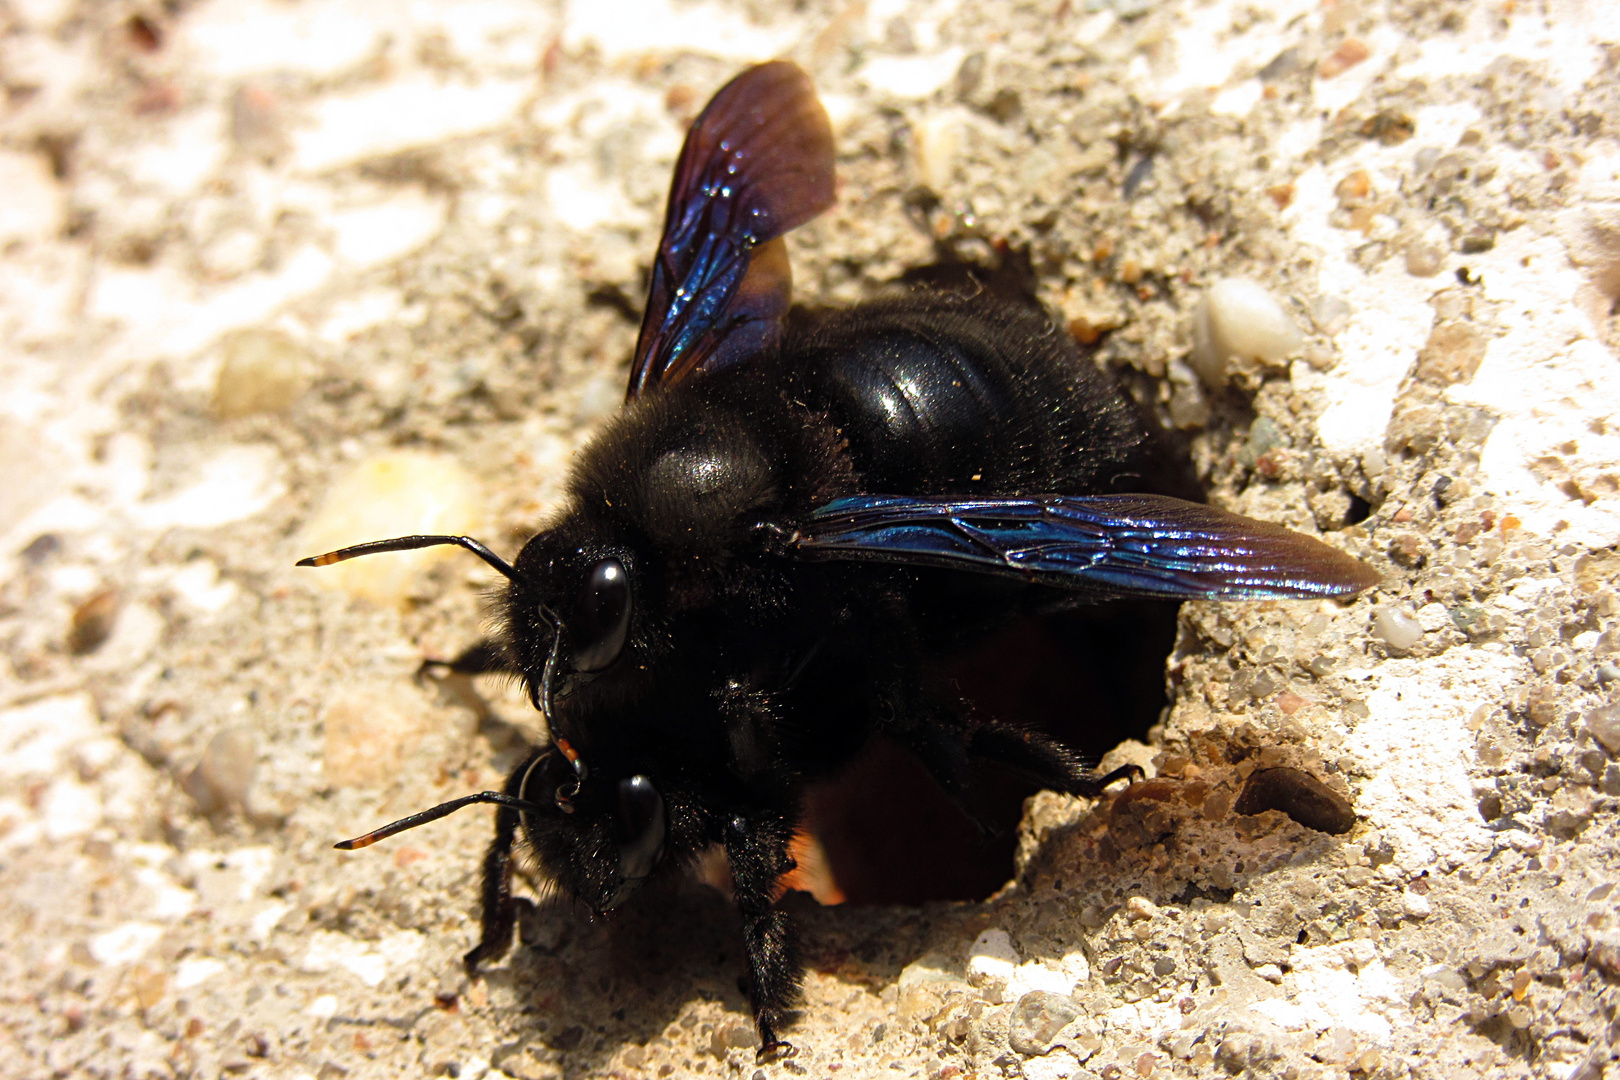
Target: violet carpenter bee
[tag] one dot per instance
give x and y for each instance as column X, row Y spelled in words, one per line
column 794, row 512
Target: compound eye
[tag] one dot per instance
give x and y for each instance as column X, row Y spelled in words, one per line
column 601, row 616
column 641, row 827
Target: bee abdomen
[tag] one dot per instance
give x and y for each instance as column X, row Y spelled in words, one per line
column 942, row 394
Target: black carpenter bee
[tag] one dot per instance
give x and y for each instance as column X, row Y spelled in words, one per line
column 793, row 513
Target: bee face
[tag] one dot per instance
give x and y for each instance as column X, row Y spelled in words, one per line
column 570, row 609
column 599, row 836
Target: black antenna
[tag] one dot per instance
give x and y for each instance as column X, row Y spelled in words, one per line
column 540, row 694
column 411, row 543
column 437, row 812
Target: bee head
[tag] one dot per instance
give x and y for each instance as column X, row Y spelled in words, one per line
column 569, row 614
column 608, row 840
column 569, row 610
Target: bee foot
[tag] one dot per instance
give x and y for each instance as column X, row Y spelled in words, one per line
column 774, row 1050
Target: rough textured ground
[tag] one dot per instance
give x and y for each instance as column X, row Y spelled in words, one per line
column 249, row 249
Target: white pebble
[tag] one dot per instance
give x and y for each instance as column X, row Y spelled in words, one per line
column 1397, row 628
column 33, row 206
column 1034, row 975
column 1058, row 1065
column 1239, row 322
column 991, row 963
column 196, row 970
column 125, row 943
column 397, row 493
column 935, row 144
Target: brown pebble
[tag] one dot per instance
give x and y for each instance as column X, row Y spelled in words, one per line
column 1389, row 126
column 1452, row 354
column 93, row 622
column 679, row 99
column 144, row 34
column 1085, row 331
column 1299, row 795
column 1282, row 195
column 1351, row 51
column 1289, row 703
column 1354, row 188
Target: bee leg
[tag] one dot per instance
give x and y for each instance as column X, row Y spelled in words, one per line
column 758, row 853
column 499, row 911
column 481, row 659
column 750, row 717
column 940, row 745
column 1042, row 759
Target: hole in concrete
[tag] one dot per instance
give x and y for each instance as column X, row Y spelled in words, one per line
column 1089, row 678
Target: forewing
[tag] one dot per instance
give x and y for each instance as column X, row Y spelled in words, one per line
column 757, row 163
column 1109, row 545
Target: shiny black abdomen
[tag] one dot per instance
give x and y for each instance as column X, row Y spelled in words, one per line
column 938, row 394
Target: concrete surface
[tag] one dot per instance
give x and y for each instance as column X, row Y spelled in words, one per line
column 255, row 251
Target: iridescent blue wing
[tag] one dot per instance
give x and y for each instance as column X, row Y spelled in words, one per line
column 757, row 163
column 1107, row 545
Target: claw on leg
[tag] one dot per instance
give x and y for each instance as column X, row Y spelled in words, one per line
column 1092, row 787
column 774, row 1050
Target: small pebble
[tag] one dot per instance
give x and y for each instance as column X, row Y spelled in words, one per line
column 41, row 548
column 93, row 622
column 1398, row 629
column 936, row 144
column 1424, row 259
column 733, row 1035
column 261, row 371
column 223, row 776
column 991, row 962
column 1282, row 65
column 1058, row 1065
column 1238, row 320
column 397, row 493
column 1330, row 314
column 1037, row 1019
column 1603, row 723
column 1350, row 52
column 1452, row 354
